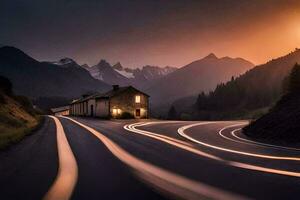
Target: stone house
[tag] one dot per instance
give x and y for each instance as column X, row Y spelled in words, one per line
column 65, row 110
column 120, row 102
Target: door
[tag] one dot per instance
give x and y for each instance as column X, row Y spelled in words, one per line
column 92, row 110
column 138, row 112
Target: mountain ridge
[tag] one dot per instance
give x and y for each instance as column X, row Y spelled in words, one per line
column 200, row 75
column 39, row 79
column 250, row 94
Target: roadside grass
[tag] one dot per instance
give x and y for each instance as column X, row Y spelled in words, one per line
column 15, row 122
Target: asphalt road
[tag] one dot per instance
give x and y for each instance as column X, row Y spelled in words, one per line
column 130, row 159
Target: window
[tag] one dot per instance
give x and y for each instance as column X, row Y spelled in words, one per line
column 137, row 99
column 115, row 111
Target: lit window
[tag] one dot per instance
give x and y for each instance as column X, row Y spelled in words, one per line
column 137, row 99
column 119, row 111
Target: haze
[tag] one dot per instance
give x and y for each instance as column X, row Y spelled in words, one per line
column 162, row 33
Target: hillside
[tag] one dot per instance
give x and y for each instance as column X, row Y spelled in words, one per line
column 43, row 79
column 282, row 122
column 201, row 75
column 17, row 116
column 249, row 95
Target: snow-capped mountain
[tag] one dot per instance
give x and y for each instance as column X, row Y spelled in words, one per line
column 128, row 73
column 65, row 62
column 104, row 71
column 117, row 74
column 35, row 79
column 149, row 73
column 85, row 66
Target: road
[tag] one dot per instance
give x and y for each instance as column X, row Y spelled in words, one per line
column 88, row 158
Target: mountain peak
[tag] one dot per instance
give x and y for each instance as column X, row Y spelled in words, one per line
column 103, row 64
column 64, row 61
column 86, row 66
column 117, row 66
column 211, row 56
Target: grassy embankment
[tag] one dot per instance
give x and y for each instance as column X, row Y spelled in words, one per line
column 17, row 116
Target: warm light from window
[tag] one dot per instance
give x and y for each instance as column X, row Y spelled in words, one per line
column 117, row 111
column 137, row 99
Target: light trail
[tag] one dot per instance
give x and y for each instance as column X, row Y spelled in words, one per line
column 182, row 129
column 66, row 178
column 132, row 128
column 175, row 184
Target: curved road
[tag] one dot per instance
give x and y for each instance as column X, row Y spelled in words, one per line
column 85, row 158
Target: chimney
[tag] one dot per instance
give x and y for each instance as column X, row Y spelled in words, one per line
column 115, row 87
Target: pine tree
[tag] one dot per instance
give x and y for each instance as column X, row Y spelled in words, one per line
column 294, row 79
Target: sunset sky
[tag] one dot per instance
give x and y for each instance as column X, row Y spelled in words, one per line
column 152, row 32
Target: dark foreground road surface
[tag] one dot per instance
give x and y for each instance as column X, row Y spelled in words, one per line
column 130, row 159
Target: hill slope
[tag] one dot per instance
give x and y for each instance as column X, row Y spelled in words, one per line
column 43, row 79
column 201, row 75
column 282, row 122
column 17, row 116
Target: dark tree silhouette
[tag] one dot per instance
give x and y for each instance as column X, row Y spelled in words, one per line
column 5, row 85
column 294, row 79
column 282, row 121
column 172, row 114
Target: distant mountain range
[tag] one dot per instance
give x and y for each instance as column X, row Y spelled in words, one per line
column 248, row 94
column 103, row 71
column 44, row 79
column 67, row 79
column 200, row 75
column 117, row 74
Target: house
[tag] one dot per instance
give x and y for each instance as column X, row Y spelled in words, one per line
column 120, row 102
column 65, row 110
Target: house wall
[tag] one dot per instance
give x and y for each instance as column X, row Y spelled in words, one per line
column 102, row 108
column 79, row 109
column 90, row 103
column 65, row 112
column 126, row 102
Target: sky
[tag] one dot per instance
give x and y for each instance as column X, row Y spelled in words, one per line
column 151, row 32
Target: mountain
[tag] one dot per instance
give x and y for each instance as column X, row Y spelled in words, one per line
column 117, row 74
column 281, row 123
column 248, row 95
column 36, row 79
column 147, row 73
column 201, row 75
column 85, row 66
column 104, row 71
column 65, row 62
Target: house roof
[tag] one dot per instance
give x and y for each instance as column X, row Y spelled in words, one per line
column 108, row 94
column 113, row 92
column 59, row 109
